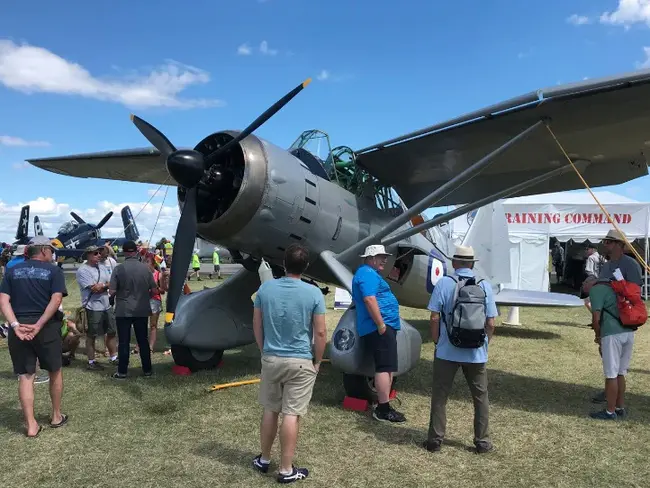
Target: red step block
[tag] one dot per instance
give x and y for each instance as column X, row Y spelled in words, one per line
column 356, row 404
column 181, row 370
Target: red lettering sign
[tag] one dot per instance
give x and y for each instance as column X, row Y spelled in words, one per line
column 568, row 218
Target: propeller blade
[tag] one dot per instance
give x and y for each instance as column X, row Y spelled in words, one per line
column 104, row 220
column 154, row 136
column 183, row 247
column 270, row 112
column 77, row 218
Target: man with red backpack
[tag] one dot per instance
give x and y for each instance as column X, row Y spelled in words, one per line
column 616, row 341
column 614, row 250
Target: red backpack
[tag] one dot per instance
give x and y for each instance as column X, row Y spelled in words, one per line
column 632, row 311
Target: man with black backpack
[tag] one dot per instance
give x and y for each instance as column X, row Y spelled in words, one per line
column 462, row 323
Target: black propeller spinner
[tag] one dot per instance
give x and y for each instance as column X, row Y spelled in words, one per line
column 187, row 167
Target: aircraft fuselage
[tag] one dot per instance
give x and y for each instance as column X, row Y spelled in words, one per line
column 280, row 201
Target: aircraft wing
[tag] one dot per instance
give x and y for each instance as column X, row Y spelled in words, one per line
column 603, row 121
column 529, row 298
column 142, row 165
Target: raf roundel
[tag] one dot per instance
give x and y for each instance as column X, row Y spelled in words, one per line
column 436, row 270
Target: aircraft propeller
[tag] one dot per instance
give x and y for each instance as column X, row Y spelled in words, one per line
column 106, row 218
column 187, row 167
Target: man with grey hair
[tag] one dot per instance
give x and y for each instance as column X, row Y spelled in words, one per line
column 30, row 295
column 93, row 279
column 377, row 325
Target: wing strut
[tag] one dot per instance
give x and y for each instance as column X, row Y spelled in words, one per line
column 513, row 190
column 430, row 200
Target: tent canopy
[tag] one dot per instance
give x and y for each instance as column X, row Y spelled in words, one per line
column 570, row 215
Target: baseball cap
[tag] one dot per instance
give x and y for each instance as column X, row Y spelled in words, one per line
column 129, row 246
column 41, row 241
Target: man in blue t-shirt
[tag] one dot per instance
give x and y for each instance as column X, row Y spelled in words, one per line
column 30, row 295
column 377, row 325
column 289, row 314
column 448, row 358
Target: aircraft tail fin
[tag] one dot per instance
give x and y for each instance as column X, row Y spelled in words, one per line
column 488, row 235
column 38, row 228
column 130, row 229
column 23, row 224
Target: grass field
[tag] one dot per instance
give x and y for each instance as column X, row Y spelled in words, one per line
column 170, row 431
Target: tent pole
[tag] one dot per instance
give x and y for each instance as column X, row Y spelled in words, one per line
column 646, row 269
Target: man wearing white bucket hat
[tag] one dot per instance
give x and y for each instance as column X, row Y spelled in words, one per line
column 466, row 308
column 377, row 325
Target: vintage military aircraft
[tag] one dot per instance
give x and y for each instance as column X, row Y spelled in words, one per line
column 255, row 198
column 76, row 235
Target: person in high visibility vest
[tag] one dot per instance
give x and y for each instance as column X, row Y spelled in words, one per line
column 215, row 263
column 196, row 266
column 169, row 248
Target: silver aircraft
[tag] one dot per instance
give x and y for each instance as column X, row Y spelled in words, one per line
column 255, row 198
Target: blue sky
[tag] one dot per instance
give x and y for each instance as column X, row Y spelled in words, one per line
column 72, row 72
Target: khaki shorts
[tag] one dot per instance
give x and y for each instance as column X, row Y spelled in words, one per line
column 287, row 384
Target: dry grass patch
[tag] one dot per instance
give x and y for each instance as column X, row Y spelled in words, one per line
column 170, row 431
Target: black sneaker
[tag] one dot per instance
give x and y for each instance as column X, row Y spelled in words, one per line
column 620, row 412
column 118, row 376
column 391, row 415
column 95, row 366
column 295, row 475
column 484, row 448
column 432, row 446
column 603, row 415
column 4, row 331
column 259, row 465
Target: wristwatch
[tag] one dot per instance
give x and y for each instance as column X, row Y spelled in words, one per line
column 14, row 324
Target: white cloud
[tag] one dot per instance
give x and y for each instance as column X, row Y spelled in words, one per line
column 18, row 141
column 576, row 19
column 21, row 165
column 323, row 75
column 52, row 214
column 265, row 49
column 327, row 75
column 645, row 63
column 244, row 50
column 627, row 13
column 32, row 69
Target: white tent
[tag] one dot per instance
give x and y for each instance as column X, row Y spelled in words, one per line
column 533, row 220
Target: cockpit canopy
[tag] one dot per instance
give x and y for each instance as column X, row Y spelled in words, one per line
column 68, row 227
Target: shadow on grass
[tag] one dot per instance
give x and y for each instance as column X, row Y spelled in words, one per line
column 567, row 324
column 525, row 393
column 226, row 454
column 402, row 435
column 523, row 333
column 12, row 416
column 642, row 371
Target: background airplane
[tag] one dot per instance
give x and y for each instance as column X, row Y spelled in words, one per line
column 76, row 235
column 256, row 198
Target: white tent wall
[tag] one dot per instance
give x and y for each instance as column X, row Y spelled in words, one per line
column 529, row 263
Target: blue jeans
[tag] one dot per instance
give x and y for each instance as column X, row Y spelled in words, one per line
column 141, row 329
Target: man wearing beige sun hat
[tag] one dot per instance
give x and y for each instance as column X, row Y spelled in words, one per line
column 614, row 246
column 462, row 323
